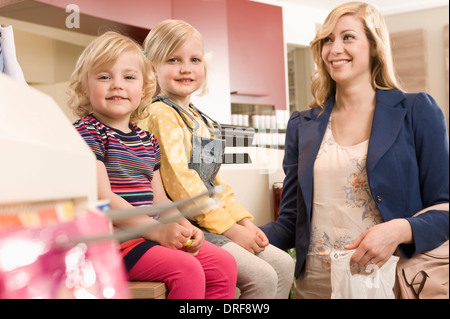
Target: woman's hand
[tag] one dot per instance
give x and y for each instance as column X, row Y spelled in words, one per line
column 377, row 244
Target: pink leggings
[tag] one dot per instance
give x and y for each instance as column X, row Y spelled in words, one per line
column 212, row 274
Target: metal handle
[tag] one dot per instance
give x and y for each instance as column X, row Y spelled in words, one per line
column 158, row 209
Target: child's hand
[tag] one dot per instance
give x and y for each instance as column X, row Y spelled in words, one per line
column 197, row 238
column 171, row 235
column 247, row 223
column 246, row 238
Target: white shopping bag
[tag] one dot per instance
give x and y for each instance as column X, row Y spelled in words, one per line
column 354, row 282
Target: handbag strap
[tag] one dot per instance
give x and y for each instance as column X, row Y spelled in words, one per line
column 421, row 283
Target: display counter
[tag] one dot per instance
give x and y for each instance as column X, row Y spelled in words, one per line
column 253, row 182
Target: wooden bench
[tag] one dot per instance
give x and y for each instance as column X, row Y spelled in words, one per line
column 148, row 290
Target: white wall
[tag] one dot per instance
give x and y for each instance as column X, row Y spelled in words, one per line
column 299, row 21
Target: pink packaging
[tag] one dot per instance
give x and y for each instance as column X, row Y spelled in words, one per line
column 43, row 263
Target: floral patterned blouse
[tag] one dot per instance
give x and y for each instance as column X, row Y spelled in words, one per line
column 342, row 209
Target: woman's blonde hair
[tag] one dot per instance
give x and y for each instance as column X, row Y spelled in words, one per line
column 382, row 68
column 104, row 52
column 165, row 38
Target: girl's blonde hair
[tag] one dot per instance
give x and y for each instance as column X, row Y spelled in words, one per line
column 382, row 68
column 165, row 38
column 104, row 52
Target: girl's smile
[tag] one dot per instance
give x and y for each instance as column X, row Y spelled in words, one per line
column 116, row 91
column 182, row 72
column 116, row 97
column 186, row 80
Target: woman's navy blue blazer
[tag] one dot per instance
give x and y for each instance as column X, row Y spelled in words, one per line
column 407, row 167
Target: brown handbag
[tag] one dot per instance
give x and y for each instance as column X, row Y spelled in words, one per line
column 424, row 276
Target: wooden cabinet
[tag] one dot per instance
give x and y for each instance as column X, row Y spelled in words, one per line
column 409, row 53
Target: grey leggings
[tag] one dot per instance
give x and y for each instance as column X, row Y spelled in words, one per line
column 266, row 275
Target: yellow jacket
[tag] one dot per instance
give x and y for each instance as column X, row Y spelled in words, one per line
column 180, row 182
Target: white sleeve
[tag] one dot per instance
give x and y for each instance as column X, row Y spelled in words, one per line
column 11, row 66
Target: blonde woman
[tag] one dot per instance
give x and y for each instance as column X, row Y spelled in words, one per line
column 191, row 159
column 363, row 160
column 111, row 82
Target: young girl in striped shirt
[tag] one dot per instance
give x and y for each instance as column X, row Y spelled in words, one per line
column 111, row 82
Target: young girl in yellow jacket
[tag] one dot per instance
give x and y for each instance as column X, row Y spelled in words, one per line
column 191, row 157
